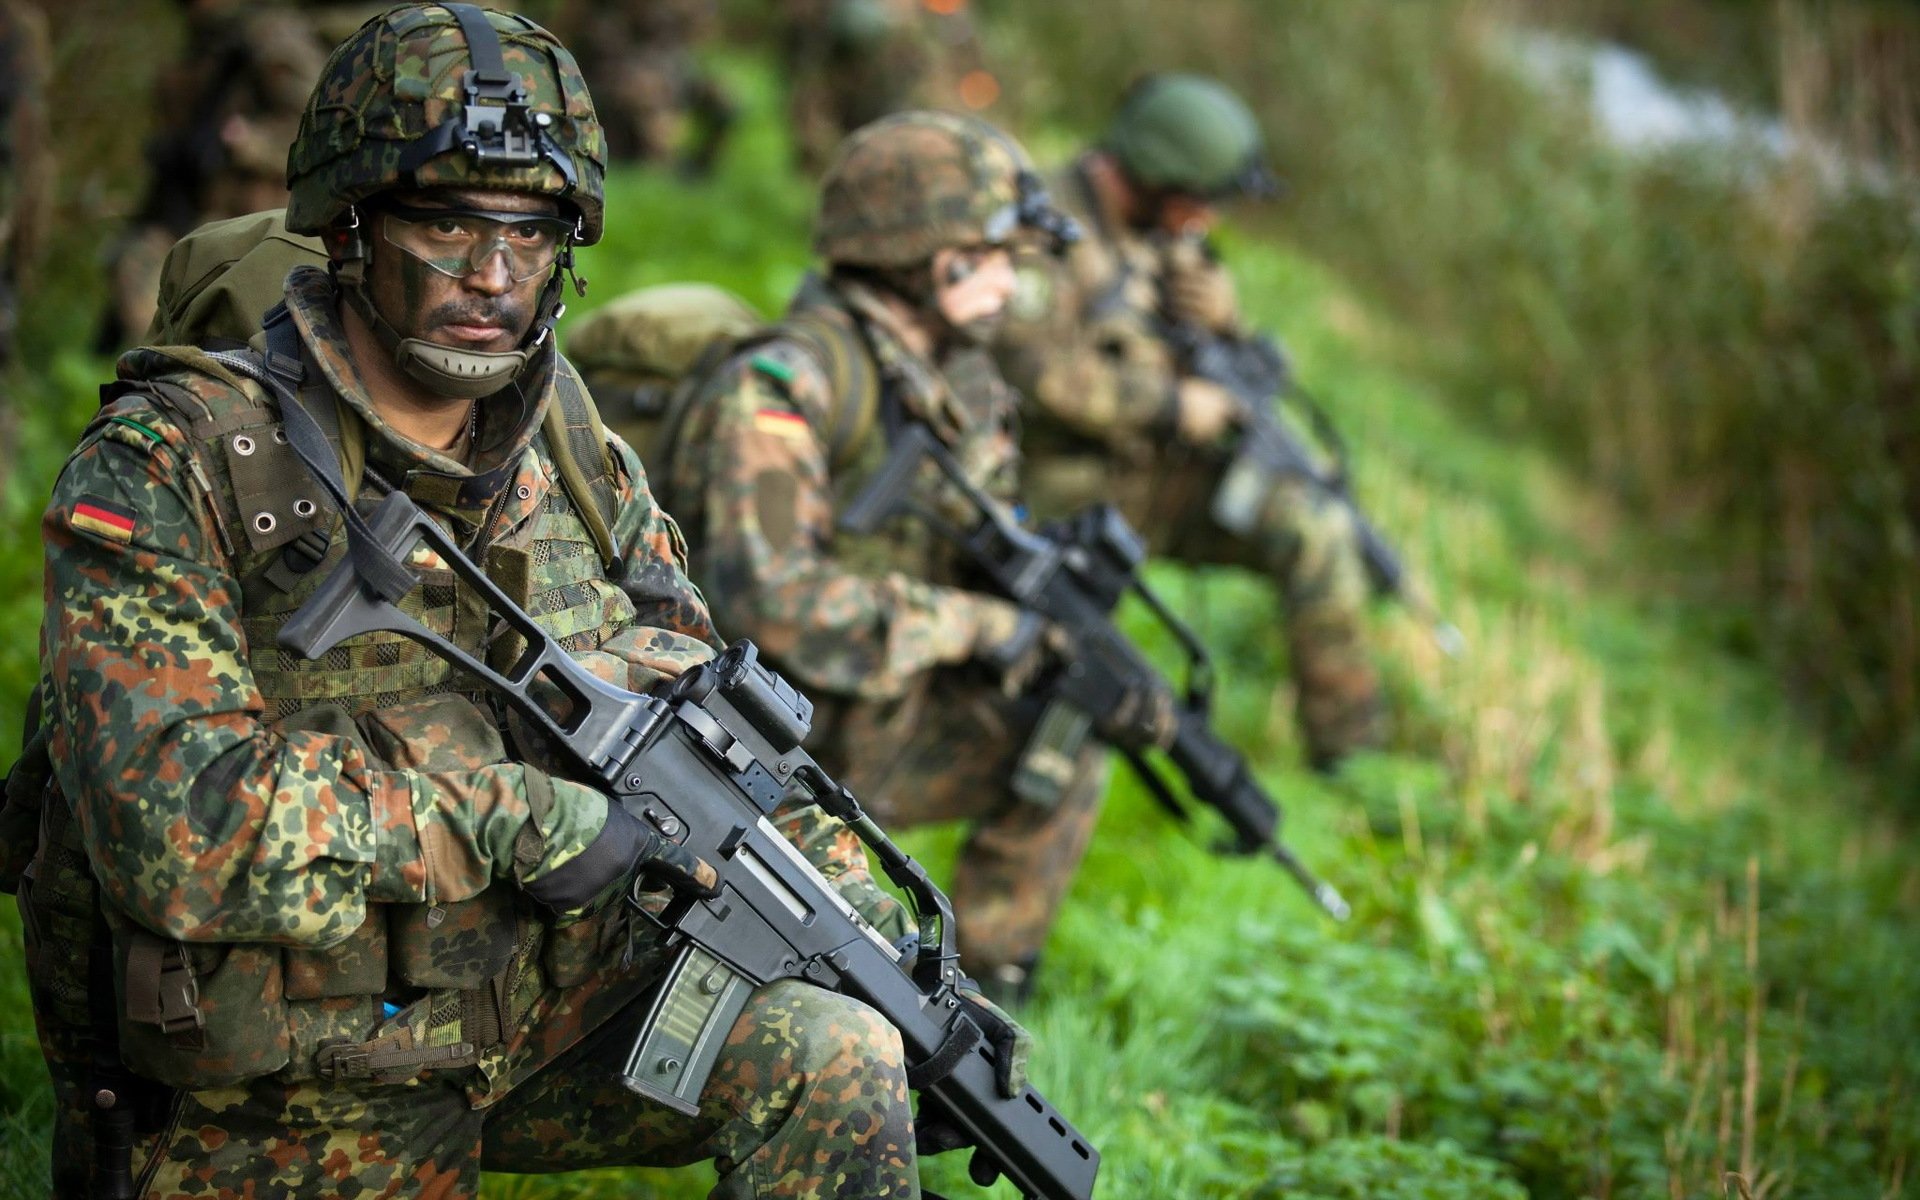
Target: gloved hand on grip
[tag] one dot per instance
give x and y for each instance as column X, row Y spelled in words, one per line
column 1144, row 717
column 1018, row 656
column 626, row 849
column 1011, row 1042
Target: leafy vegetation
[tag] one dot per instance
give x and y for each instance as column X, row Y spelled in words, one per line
column 1622, row 926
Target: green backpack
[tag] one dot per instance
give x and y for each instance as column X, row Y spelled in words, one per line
column 647, row 354
column 634, row 352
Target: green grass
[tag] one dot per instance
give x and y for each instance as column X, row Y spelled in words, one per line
column 1621, row 924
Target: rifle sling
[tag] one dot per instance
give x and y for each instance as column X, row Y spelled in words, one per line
column 962, row 1037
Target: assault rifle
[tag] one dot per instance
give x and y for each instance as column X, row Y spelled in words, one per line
column 1074, row 575
column 703, row 762
column 1255, row 370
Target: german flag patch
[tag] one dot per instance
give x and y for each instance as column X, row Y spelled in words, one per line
column 781, row 423
column 103, row 517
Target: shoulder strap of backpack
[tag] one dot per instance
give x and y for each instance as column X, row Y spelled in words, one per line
column 835, row 341
column 578, row 442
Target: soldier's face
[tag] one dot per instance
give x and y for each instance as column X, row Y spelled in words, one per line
column 485, row 309
column 972, row 286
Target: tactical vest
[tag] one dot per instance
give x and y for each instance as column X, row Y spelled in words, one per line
column 417, row 986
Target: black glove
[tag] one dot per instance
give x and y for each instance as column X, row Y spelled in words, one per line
column 626, row 849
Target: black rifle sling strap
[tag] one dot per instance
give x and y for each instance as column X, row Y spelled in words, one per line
column 281, row 371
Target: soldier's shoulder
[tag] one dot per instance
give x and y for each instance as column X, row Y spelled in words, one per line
column 163, row 399
column 783, row 368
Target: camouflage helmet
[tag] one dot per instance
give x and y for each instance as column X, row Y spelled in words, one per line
column 1190, row 134
column 914, row 183
column 447, row 96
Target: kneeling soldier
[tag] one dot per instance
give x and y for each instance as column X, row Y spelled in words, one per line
column 317, row 928
column 917, row 217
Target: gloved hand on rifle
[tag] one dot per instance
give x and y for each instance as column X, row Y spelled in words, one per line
column 1142, row 717
column 1016, row 644
column 626, row 850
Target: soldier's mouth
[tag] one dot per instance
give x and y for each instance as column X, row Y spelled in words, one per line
column 475, row 333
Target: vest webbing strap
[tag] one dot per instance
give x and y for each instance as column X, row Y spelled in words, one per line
column 281, row 372
column 839, row 347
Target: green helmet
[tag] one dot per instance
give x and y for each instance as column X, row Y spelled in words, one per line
column 1191, row 134
column 447, row 96
column 914, row 183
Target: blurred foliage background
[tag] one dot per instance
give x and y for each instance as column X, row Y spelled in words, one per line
column 1635, row 912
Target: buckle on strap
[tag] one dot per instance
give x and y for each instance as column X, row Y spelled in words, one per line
column 390, row 1058
column 162, row 989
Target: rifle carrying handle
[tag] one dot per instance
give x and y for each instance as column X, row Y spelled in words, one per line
column 685, row 1029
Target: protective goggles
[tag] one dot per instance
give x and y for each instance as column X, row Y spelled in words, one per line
column 458, row 242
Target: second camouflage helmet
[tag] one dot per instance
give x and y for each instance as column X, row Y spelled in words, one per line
column 447, row 96
column 1191, row 134
column 913, row 183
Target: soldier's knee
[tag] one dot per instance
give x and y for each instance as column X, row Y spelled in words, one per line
column 836, row 1037
column 849, row 1039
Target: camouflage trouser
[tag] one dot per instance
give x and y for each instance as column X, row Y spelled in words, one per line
column 809, row 1100
column 1300, row 539
column 955, row 761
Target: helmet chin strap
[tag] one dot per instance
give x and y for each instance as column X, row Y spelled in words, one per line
column 445, row 370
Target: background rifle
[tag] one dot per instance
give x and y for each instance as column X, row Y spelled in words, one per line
column 1255, row 370
column 704, row 762
column 1074, row 575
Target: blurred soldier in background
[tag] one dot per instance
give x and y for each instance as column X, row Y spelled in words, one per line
column 655, row 100
column 911, row 671
column 26, row 167
column 1113, row 416
column 224, row 115
column 850, row 62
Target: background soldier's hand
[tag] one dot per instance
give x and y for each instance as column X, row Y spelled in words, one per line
column 1199, row 292
column 1205, row 411
column 626, row 849
column 1019, row 657
column 1144, row 718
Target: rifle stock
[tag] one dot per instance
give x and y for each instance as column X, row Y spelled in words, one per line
column 704, row 762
